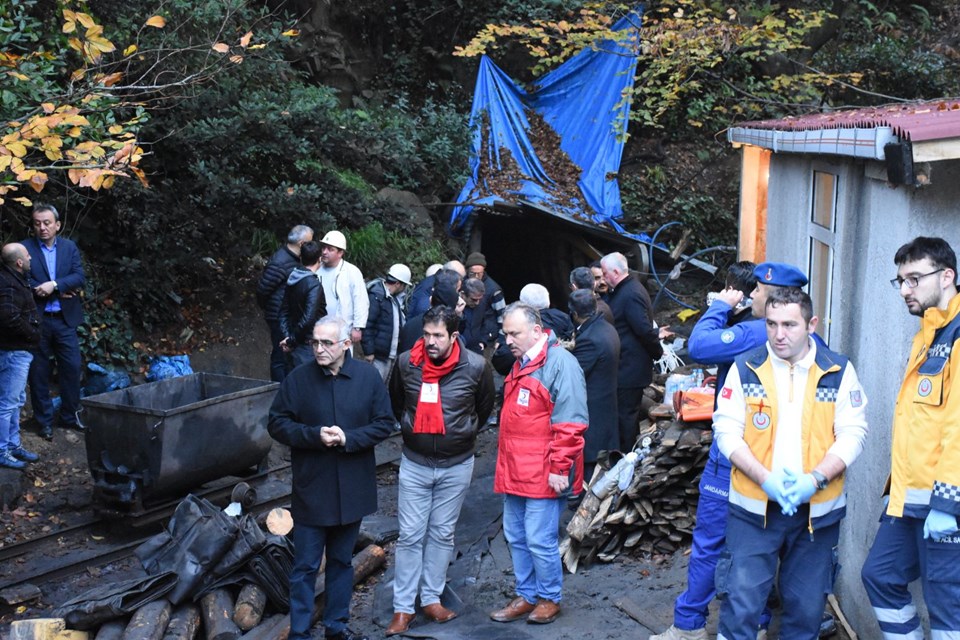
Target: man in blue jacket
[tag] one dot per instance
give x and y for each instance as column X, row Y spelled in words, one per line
column 331, row 414
column 57, row 279
column 727, row 329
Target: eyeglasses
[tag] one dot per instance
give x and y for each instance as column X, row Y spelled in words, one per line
column 326, row 344
column 910, row 281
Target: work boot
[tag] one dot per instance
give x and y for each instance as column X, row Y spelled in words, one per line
column 516, row 609
column 400, row 623
column 8, row 461
column 22, row 454
column 438, row 613
column 681, row 634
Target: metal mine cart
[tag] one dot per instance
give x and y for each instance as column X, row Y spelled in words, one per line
column 162, row 439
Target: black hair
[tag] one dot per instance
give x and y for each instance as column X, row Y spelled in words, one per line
column 936, row 250
column 582, row 278
column 442, row 314
column 310, row 253
column 782, row 296
column 448, row 277
column 582, row 303
column 740, row 277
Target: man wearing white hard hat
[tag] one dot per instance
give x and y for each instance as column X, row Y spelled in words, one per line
column 343, row 285
column 385, row 318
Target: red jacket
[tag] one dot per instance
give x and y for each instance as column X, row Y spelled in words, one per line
column 542, row 422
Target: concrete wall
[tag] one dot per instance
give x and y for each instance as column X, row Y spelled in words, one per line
column 870, row 321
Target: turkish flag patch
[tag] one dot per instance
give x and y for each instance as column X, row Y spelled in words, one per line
column 726, row 392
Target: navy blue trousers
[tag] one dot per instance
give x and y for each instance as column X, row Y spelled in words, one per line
column 747, row 568
column 310, row 543
column 899, row 556
column 278, row 359
column 57, row 340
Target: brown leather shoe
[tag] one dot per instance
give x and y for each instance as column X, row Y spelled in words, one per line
column 545, row 612
column 400, row 623
column 438, row 613
column 518, row 608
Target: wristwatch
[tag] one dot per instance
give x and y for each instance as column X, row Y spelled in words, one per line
column 820, row 479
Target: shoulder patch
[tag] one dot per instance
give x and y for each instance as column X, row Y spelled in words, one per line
column 727, row 336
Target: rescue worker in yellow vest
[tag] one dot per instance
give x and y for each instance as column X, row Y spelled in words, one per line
column 918, row 535
column 790, row 417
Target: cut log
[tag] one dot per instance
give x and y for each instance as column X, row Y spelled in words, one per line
column 19, row 594
column 149, row 621
column 184, row 623
column 279, row 522
column 217, row 609
column 45, row 629
column 112, row 630
column 249, row 608
column 273, row 628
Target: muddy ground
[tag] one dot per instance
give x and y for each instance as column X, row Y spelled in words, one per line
column 480, row 579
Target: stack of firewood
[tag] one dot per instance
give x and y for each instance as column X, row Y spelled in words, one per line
column 657, row 511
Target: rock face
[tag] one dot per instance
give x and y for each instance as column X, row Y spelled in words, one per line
column 333, row 46
column 419, row 215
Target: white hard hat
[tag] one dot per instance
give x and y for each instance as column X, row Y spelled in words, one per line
column 335, row 239
column 400, row 272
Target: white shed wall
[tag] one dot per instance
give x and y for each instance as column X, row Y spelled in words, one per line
column 870, row 321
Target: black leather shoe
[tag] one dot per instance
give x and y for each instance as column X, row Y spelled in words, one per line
column 346, row 634
column 46, row 432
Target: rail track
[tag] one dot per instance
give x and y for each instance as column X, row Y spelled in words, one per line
column 95, row 541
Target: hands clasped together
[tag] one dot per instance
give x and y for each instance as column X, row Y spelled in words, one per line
column 789, row 490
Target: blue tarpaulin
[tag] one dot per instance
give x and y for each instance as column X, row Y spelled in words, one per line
column 584, row 101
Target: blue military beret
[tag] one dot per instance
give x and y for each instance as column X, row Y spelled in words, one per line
column 779, row 274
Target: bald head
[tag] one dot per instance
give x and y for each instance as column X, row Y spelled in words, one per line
column 15, row 256
column 456, row 265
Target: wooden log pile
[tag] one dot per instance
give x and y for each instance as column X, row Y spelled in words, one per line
column 233, row 613
column 657, row 511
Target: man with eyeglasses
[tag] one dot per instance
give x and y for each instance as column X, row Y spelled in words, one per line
column 918, row 535
column 331, row 416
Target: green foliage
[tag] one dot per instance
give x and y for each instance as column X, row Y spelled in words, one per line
column 373, row 249
column 654, row 198
column 106, row 336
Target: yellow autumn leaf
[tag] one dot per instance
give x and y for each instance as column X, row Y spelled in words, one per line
column 75, row 44
column 115, row 129
column 18, row 75
column 257, row 46
column 111, row 79
column 27, row 203
column 101, row 44
column 220, row 47
column 156, row 21
column 236, row 59
column 74, row 175
column 291, row 33
column 94, row 31
column 140, row 176
column 69, row 26
column 18, row 149
column 245, row 40
column 38, row 181
column 5, row 162
column 86, row 21
column 98, row 538
column 69, row 15
column 107, row 182
column 48, row 107
column 74, row 132
column 77, row 75
column 130, row 50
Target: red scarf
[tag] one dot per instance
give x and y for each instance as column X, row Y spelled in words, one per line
column 429, row 417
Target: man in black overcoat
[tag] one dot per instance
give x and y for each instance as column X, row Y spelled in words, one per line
column 331, row 416
column 639, row 341
column 597, row 349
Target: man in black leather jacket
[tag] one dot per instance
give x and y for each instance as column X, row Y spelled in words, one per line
column 302, row 305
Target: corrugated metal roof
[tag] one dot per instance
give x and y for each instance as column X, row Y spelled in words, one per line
column 915, row 121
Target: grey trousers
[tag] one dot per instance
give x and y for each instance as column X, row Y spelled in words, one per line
column 428, row 509
column 384, row 368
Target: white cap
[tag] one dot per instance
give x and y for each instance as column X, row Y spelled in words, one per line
column 335, row 239
column 400, row 272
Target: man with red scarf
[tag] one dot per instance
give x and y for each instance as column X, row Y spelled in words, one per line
column 442, row 393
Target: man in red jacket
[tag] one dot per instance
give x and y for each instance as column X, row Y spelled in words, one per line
column 542, row 422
